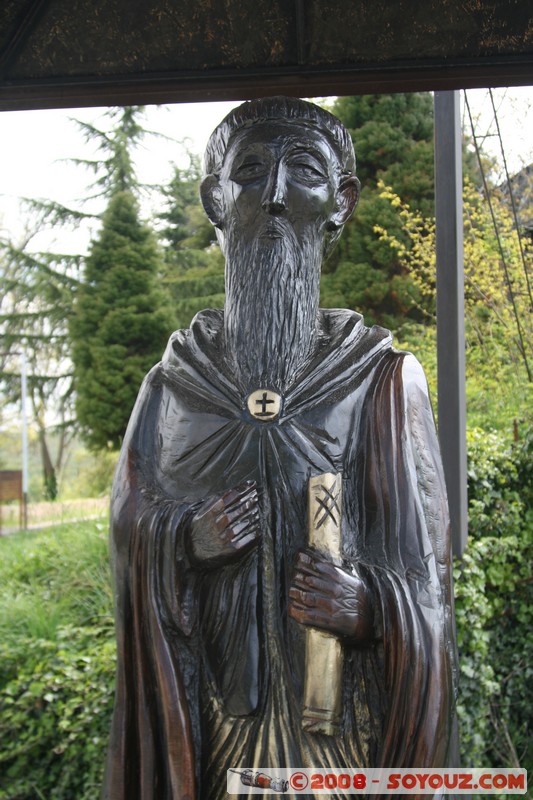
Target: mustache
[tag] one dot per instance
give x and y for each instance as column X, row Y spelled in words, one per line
column 275, row 227
column 266, row 226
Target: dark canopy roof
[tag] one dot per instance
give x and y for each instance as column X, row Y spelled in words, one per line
column 58, row 53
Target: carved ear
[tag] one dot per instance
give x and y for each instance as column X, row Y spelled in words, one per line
column 212, row 201
column 347, row 199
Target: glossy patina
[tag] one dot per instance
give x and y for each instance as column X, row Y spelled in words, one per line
column 280, row 530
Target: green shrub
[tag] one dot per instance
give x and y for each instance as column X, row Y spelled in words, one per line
column 93, row 476
column 57, row 663
column 494, row 605
column 57, row 576
column 55, row 703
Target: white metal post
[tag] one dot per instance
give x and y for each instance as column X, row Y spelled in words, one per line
column 24, row 392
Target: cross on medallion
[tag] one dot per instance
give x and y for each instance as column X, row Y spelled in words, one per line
column 264, row 405
column 263, row 402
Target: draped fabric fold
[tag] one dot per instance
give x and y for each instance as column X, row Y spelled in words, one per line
column 210, row 666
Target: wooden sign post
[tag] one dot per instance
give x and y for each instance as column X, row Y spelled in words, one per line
column 11, row 489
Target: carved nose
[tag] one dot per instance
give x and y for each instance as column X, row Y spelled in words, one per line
column 274, row 206
column 274, row 197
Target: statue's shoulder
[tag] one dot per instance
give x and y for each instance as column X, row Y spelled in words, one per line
column 189, row 352
column 340, row 323
column 410, row 369
column 350, row 341
column 407, row 377
column 201, row 339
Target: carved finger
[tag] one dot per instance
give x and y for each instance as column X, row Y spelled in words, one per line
column 245, row 541
column 248, row 500
column 242, row 527
column 326, row 568
column 321, row 618
column 299, row 580
column 303, row 598
column 211, row 506
column 250, row 534
column 230, row 529
column 318, row 585
column 298, row 610
column 304, row 558
column 239, row 494
column 306, row 616
column 245, row 486
column 247, row 509
column 231, row 496
column 305, row 563
column 299, row 613
column 252, row 517
column 333, row 574
column 313, row 561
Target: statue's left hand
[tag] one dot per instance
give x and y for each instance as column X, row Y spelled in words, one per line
column 324, row 595
column 225, row 527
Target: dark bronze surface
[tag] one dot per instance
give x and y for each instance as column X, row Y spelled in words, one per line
column 248, row 550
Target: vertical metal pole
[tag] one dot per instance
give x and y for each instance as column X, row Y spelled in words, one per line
column 24, row 392
column 450, row 309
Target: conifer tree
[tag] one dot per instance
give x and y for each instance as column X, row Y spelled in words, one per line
column 120, row 324
column 194, row 265
column 37, row 291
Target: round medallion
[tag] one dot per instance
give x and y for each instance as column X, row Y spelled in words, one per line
column 264, row 405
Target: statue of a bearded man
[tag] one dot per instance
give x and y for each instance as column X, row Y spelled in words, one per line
column 280, row 531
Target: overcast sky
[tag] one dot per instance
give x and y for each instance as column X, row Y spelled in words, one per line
column 35, row 145
column 34, row 142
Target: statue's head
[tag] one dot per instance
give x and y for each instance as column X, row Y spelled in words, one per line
column 279, row 185
column 278, row 164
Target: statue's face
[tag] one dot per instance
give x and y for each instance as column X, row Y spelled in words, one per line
column 274, row 174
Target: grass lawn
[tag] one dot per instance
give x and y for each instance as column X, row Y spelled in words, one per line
column 56, row 576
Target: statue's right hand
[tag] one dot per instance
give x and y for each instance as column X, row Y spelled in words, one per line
column 225, row 527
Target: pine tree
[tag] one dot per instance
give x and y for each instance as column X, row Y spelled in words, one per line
column 185, row 224
column 37, row 292
column 115, row 170
column 120, row 324
column 194, row 265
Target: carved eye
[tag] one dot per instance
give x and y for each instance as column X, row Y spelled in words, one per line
column 248, row 171
column 307, row 168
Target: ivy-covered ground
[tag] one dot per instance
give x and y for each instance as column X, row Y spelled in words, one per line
column 57, row 649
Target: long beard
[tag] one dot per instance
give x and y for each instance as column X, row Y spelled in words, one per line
column 271, row 312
